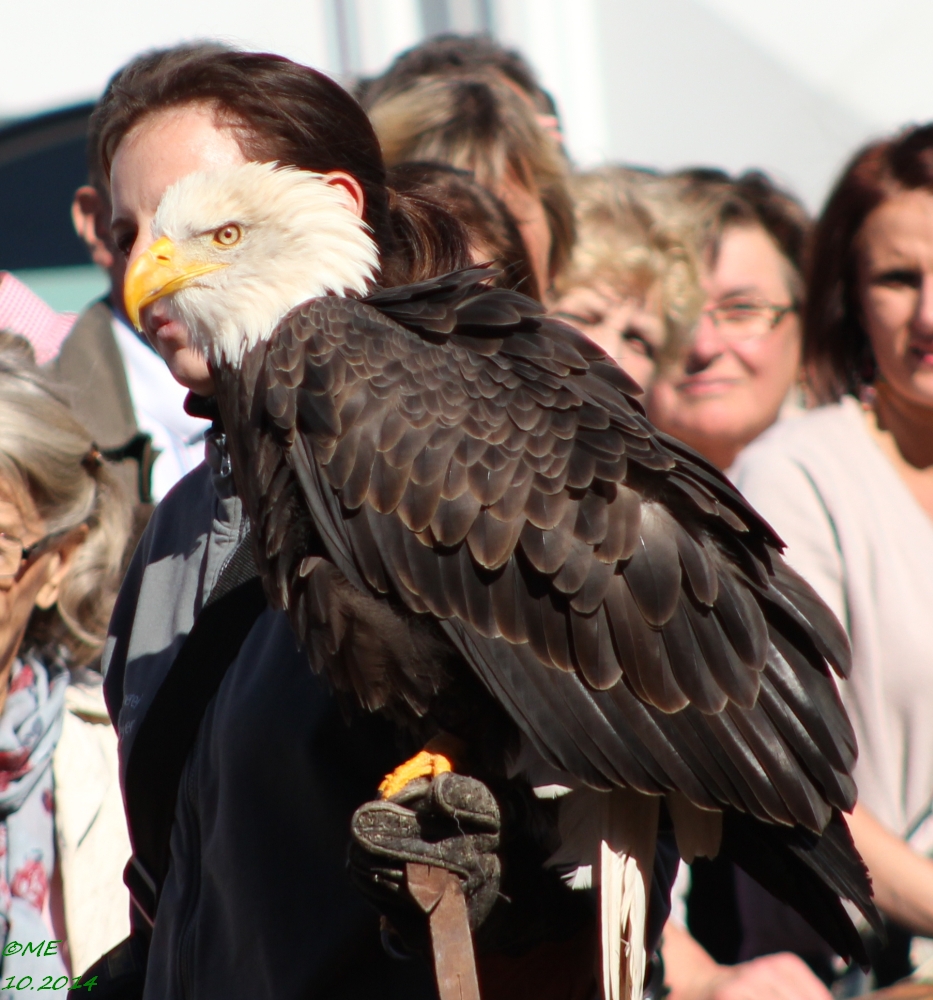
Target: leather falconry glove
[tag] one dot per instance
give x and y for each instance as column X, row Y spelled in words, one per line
column 450, row 822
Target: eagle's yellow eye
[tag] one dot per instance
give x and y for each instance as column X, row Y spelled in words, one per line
column 229, row 235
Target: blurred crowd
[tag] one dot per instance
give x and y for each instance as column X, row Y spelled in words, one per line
column 795, row 354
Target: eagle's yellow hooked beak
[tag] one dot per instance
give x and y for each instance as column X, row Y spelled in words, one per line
column 160, row 270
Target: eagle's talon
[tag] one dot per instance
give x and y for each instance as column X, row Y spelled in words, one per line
column 423, row 765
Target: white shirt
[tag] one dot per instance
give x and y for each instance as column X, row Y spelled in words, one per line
column 92, row 839
column 158, row 401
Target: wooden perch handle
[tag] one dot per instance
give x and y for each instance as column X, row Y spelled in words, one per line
column 438, row 892
column 903, row 991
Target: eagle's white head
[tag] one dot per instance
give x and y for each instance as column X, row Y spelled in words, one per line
column 236, row 249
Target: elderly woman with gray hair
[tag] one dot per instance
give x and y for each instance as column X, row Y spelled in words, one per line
column 63, row 530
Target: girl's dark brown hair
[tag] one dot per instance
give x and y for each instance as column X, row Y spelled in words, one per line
column 836, row 346
column 492, row 230
column 282, row 111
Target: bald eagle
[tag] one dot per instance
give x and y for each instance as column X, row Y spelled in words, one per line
column 474, row 529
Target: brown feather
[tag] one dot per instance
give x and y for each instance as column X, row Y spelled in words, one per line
column 640, row 651
column 556, row 631
column 698, row 566
column 593, row 590
column 545, row 510
column 512, row 503
column 507, row 603
column 492, row 541
column 653, row 572
column 419, row 503
column 576, row 566
column 743, row 621
column 593, row 650
column 547, row 550
column 623, row 527
column 592, row 519
column 454, row 518
column 689, row 665
column 387, row 484
column 489, row 484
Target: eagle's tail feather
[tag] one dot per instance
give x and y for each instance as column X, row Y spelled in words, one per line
column 623, row 912
column 608, row 841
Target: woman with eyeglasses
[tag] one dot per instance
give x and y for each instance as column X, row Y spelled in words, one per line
column 728, row 383
column 741, row 364
column 63, row 843
column 849, row 487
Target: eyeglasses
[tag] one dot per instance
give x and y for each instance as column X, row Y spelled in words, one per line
column 745, row 320
column 13, row 554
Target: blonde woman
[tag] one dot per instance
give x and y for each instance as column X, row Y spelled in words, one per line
column 479, row 123
column 63, row 842
column 631, row 284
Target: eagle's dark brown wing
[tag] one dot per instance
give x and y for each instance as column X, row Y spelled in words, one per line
column 485, row 465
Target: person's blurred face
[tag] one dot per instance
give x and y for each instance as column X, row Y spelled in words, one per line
column 91, row 214
column 35, row 581
column 531, row 219
column 157, row 152
column 895, row 274
column 629, row 329
column 728, row 387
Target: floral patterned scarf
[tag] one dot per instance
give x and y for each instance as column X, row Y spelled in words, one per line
column 30, row 726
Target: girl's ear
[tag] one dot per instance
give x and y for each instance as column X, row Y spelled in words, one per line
column 59, row 564
column 351, row 188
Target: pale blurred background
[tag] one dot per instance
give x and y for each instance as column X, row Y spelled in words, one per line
column 791, row 86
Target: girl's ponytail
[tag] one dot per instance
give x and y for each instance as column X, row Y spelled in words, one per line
column 426, row 240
